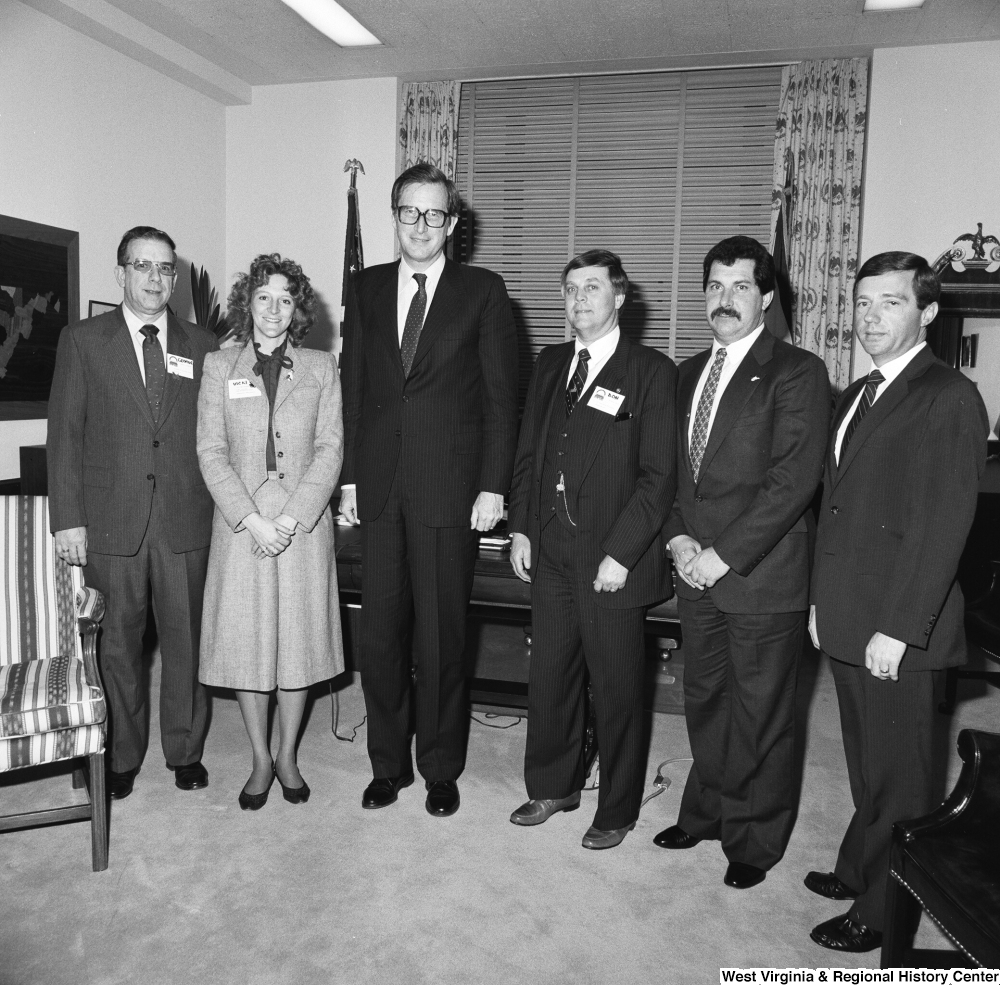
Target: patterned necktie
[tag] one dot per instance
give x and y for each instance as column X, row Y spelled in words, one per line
column 867, row 399
column 579, row 382
column 699, row 436
column 414, row 323
column 156, row 373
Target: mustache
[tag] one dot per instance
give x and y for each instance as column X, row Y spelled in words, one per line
column 723, row 310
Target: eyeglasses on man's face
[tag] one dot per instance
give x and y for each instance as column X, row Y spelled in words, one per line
column 410, row 215
column 144, row 266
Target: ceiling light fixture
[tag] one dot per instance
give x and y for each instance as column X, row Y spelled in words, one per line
column 883, row 6
column 329, row 18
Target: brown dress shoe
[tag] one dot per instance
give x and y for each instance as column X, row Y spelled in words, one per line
column 539, row 811
column 597, row 839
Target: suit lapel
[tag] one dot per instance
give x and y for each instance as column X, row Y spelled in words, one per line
column 446, row 304
column 847, row 398
column 745, row 380
column 386, row 318
column 289, row 379
column 125, row 365
column 243, row 369
column 887, row 402
column 694, row 367
column 596, row 423
column 178, row 344
column 553, row 385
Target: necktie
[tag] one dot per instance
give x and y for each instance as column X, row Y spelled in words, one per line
column 156, row 373
column 414, row 323
column 579, row 382
column 699, row 436
column 867, row 399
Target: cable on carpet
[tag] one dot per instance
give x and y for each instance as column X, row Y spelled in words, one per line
column 491, row 714
column 336, row 719
column 661, row 782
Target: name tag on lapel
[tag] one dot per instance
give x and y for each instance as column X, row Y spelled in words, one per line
column 180, row 366
column 242, row 388
column 606, row 400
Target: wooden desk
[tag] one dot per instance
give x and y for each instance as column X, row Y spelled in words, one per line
column 498, row 647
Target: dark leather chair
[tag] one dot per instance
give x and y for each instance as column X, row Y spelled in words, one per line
column 979, row 576
column 948, row 864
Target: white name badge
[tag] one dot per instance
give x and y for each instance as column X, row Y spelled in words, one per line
column 242, row 388
column 180, row 366
column 606, row 400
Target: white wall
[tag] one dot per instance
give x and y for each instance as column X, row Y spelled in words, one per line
column 95, row 142
column 933, row 147
column 286, row 190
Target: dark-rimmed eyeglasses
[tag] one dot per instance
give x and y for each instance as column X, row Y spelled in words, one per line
column 410, row 215
column 144, row 267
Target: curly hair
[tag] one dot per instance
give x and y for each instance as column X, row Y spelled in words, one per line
column 239, row 315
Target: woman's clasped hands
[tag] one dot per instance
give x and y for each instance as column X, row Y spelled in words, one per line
column 270, row 536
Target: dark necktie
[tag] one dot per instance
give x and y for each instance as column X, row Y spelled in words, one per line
column 867, row 399
column 699, row 435
column 156, row 373
column 579, row 382
column 414, row 323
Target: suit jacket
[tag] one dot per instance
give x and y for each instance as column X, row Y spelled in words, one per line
column 308, row 433
column 451, row 426
column 619, row 490
column 105, row 452
column 762, row 464
column 895, row 517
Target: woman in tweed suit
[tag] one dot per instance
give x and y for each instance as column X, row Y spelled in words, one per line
column 270, row 446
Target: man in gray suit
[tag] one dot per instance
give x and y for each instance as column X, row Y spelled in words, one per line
column 127, row 500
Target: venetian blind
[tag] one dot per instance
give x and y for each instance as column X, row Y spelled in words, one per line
column 657, row 167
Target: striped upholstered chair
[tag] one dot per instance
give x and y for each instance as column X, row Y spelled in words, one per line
column 51, row 699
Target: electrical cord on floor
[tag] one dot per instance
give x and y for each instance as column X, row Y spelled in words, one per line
column 490, row 714
column 336, row 720
column 661, row 782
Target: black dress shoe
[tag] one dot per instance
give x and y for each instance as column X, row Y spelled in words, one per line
column 191, row 776
column 383, row 791
column 742, row 875
column 675, row 837
column 828, row 885
column 120, row 784
column 442, row 798
column 255, row 801
column 845, row 934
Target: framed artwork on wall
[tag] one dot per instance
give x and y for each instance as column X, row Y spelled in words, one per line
column 39, row 297
column 100, row 308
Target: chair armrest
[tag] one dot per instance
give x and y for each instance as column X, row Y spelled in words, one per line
column 90, row 611
column 89, row 604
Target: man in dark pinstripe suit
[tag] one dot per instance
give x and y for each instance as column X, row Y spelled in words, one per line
column 907, row 448
column 429, row 371
column 127, row 500
column 594, row 478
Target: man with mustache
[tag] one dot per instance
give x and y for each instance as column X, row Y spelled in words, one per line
column 752, row 420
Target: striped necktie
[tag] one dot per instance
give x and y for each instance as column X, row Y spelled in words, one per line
column 699, row 435
column 867, row 399
column 579, row 382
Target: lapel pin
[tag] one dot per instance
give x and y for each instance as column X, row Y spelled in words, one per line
column 754, row 379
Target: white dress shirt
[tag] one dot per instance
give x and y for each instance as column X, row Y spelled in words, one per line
column 407, row 288
column 136, row 325
column 735, row 353
column 890, row 371
column 600, row 352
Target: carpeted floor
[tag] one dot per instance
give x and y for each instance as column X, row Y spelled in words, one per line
column 199, row 891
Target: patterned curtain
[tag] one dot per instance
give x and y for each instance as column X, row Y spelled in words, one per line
column 428, row 125
column 818, row 156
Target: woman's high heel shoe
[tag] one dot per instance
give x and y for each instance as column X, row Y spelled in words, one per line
column 255, row 801
column 294, row 795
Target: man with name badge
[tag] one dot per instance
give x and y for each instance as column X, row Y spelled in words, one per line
column 127, row 500
column 593, row 480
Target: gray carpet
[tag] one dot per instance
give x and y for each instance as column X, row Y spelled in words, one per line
column 200, row 891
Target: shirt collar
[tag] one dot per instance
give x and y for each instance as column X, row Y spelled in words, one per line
column 603, row 347
column 894, row 367
column 738, row 349
column 136, row 324
column 433, row 272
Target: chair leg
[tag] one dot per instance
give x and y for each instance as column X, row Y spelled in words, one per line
column 902, row 913
column 98, row 813
column 79, row 780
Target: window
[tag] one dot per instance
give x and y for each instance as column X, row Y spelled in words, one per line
column 657, row 167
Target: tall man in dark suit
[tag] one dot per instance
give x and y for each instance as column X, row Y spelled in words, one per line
column 127, row 500
column 594, row 478
column 753, row 413
column 429, row 371
column 907, row 448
